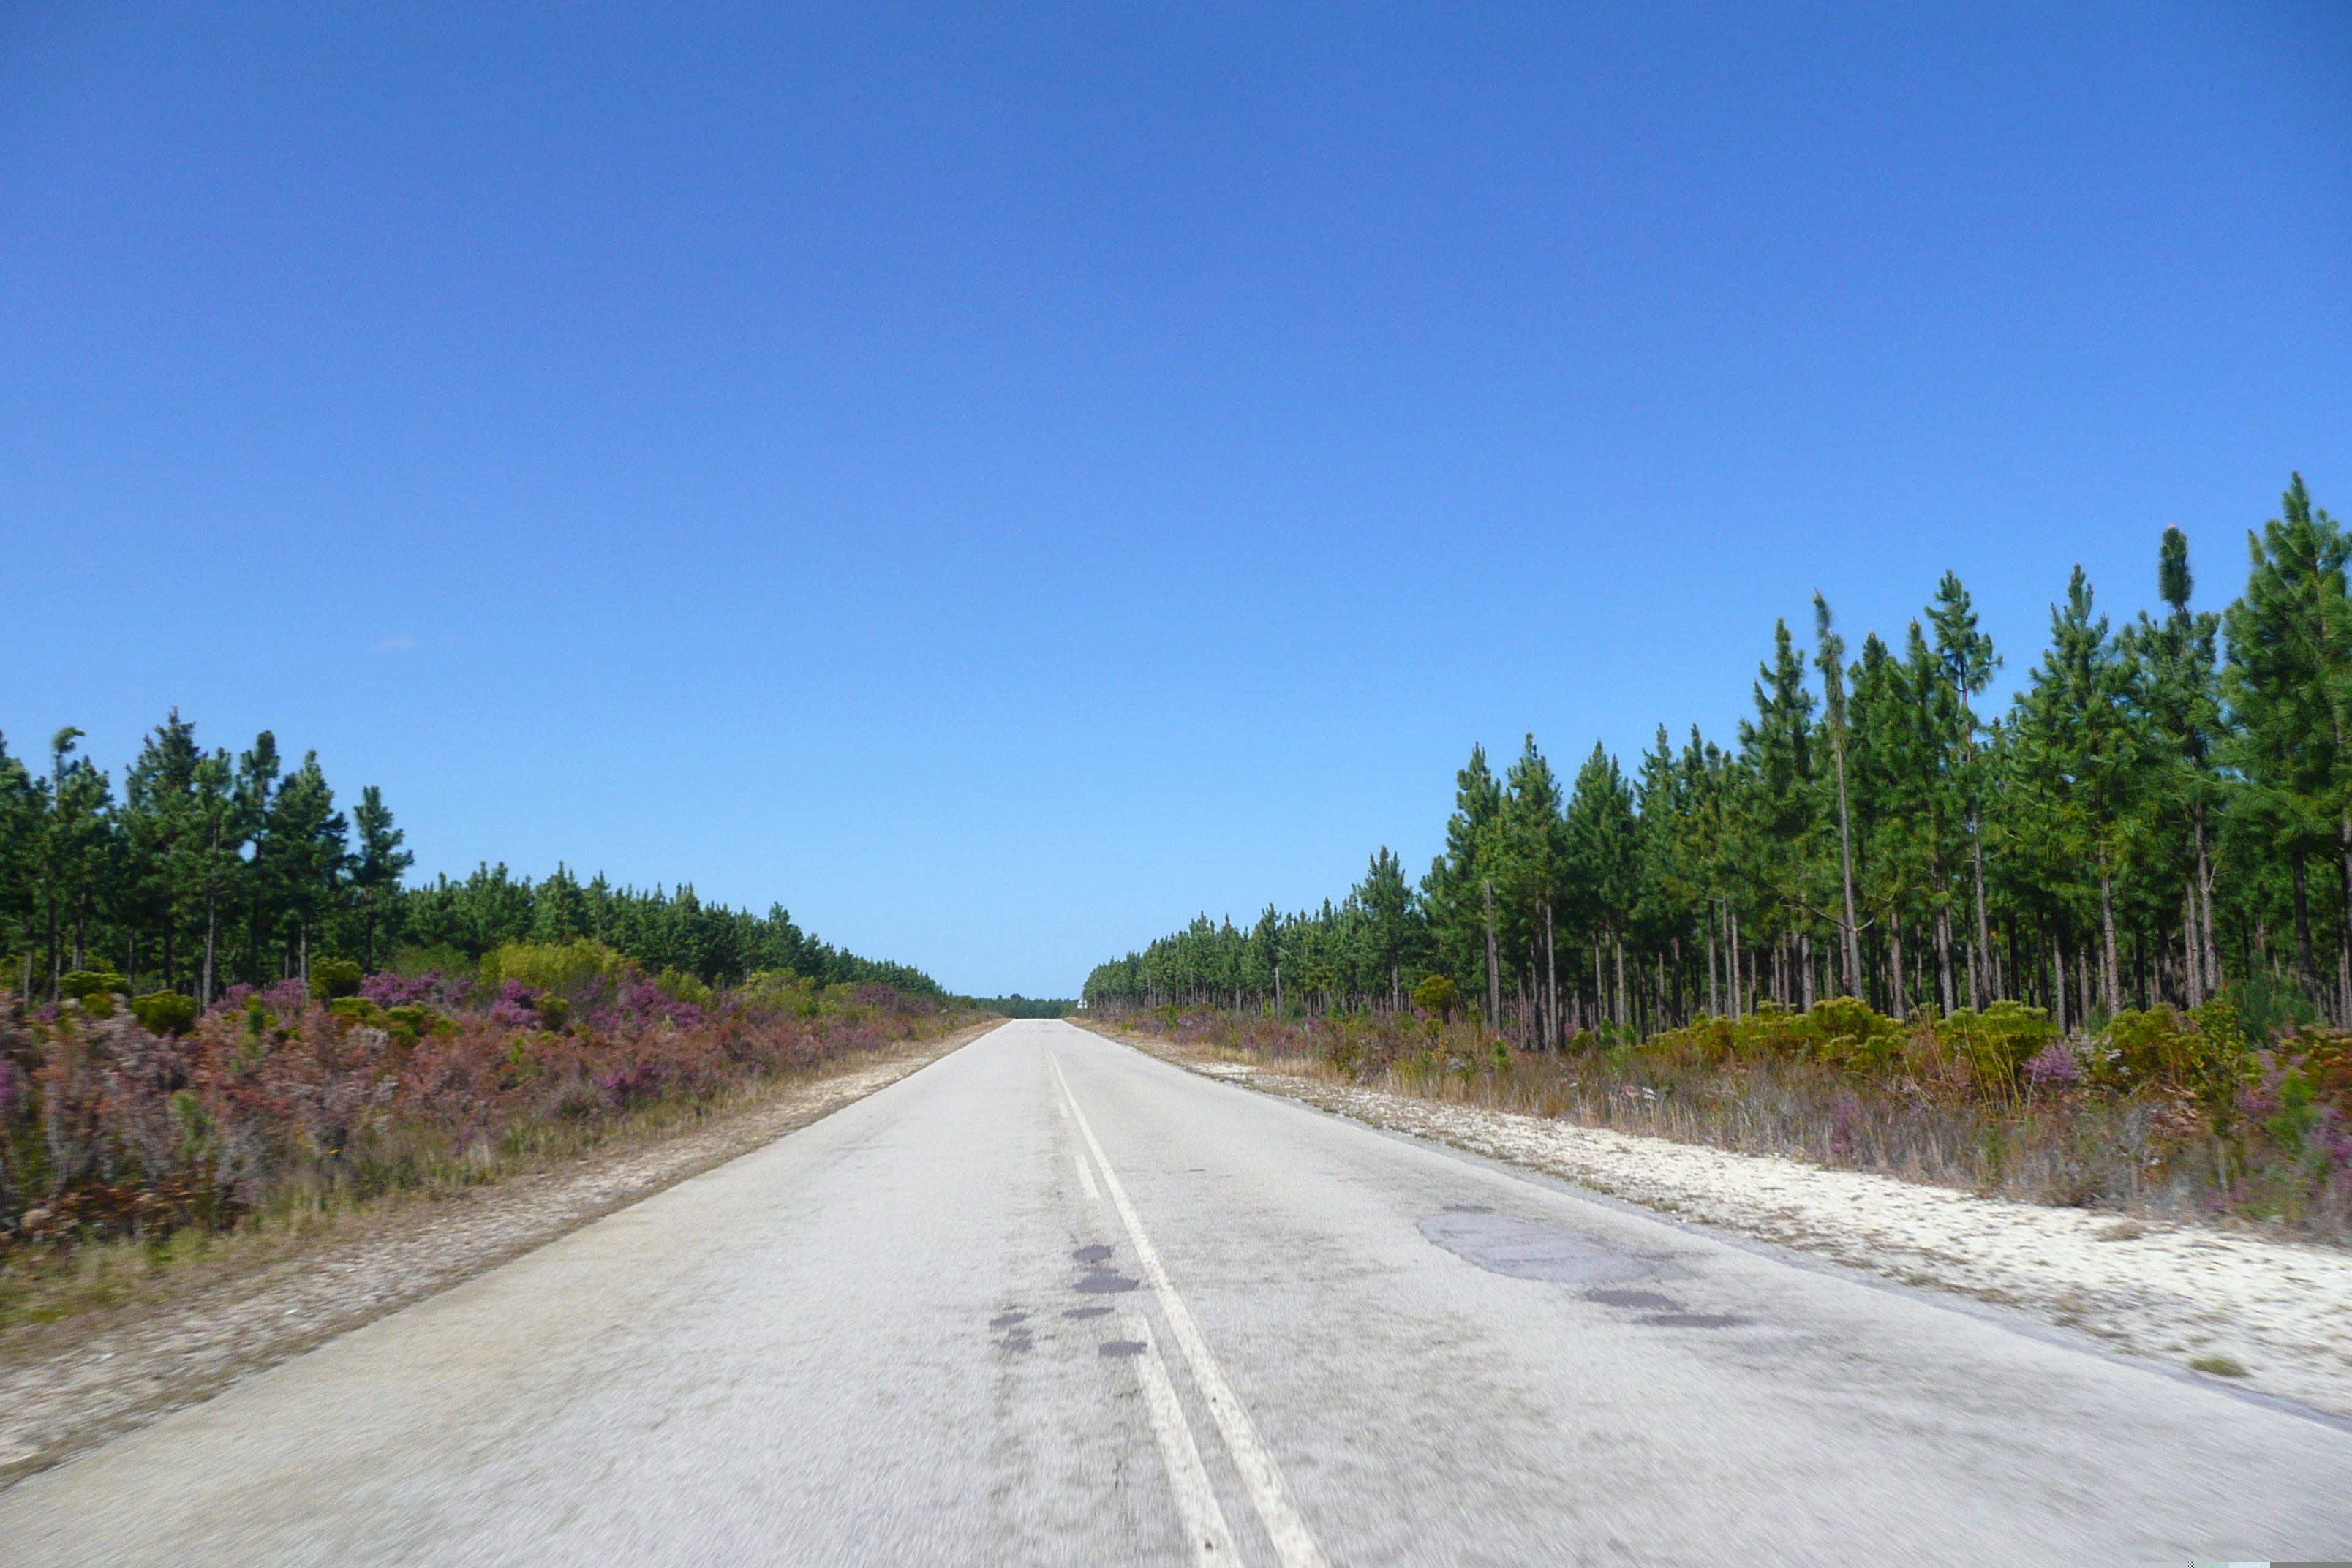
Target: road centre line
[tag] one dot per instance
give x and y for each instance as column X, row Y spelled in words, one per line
column 1294, row 1543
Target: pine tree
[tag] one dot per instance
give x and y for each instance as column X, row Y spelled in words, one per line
column 1969, row 665
column 2289, row 678
column 1830, row 655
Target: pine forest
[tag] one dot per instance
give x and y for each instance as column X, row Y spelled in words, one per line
column 2164, row 811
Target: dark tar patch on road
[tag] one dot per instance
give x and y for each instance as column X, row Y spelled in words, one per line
column 1103, row 1283
column 1120, row 1348
column 1095, row 1254
column 1691, row 1321
column 1648, row 1299
column 1086, row 1312
column 1006, row 1319
column 1526, row 1250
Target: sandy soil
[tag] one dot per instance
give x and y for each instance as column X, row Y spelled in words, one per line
column 2279, row 1310
column 66, row 1386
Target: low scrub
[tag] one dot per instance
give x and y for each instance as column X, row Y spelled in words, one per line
column 2160, row 1111
column 135, row 1118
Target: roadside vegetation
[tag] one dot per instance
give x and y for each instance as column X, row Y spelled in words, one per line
column 139, row 1124
column 2160, row 1114
column 2093, row 948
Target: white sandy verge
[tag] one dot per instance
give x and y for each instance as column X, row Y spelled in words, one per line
column 2279, row 1309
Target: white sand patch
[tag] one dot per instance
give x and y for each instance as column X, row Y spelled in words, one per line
column 2281, row 1311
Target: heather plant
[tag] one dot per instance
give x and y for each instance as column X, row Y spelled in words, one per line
column 112, row 1127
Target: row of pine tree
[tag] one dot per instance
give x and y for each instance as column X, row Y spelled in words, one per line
column 2164, row 811
column 209, row 869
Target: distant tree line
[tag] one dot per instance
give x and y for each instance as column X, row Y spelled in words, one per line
column 2164, row 811
column 1019, row 1007
column 207, row 870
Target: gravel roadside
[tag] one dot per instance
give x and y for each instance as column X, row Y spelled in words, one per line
column 69, row 1385
column 2279, row 1312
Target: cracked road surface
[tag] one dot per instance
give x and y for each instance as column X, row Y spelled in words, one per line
column 1052, row 1301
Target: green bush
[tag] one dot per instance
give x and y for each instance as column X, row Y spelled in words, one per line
column 95, row 989
column 793, row 996
column 165, row 1012
column 1998, row 1042
column 574, row 969
column 1839, row 1030
column 679, row 986
column 334, row 977
column 1438, row 997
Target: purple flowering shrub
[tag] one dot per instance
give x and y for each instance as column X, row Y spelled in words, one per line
column 109, row 1129
column 2054, row 1067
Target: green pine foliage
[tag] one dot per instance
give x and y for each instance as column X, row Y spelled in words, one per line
column 2161, row 818
column 209, row 869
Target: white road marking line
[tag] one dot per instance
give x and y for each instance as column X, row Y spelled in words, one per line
column 1196, row 1500
column 1197, row 1508
column 1292, row 1542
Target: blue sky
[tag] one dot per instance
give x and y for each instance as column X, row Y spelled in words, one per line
column 1000, row 482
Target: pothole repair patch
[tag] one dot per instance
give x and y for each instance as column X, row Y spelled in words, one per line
column 1526, row 1250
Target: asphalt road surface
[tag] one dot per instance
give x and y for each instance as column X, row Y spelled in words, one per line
column 1051, row 1301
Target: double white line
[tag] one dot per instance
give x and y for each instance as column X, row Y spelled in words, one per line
column 1205, row 1522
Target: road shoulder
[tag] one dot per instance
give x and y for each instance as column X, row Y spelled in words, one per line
column 2258, row 1314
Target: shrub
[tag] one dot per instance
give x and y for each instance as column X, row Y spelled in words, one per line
column 576, row 969
column 333, row 977
column 679, row 986
column 1998, row 1042
column 1437, row 996
column 164, row 1012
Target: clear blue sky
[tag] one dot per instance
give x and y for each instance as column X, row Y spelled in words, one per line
column 1001, row 483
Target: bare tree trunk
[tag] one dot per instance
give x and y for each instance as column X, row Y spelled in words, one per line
column 1624, row 1011
column 1494, row 976
column 1984, row 927
column 2108, row 938
column 1902, row 997
column 1714, row 998
column 2211, row 952
column 2303, row 967
column 1805, row 966
column 2058, row 984
column 1551, row 982
column 1850, row 940
column 2192, row 987
column 1731, row 957
column 2343, row 932
column 1945, row 996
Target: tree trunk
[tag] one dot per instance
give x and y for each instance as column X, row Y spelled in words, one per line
column 2113, row 965
column 2192, row 985
column 1984, row 927
column 1944, row 990
column 1850, row 940
column 1617, row 944
column 1494, row 976
column 1551, row 983
column 1714, row 998
column 1805, row 965
column 2343, row 932
column 2058, row 984
column 1731, row 957
column 2211, row 953
column 1901, row 997
column 2303, row 967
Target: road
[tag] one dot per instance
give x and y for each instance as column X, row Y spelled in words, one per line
column 1052, row 1301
